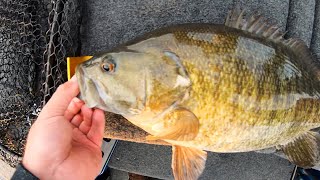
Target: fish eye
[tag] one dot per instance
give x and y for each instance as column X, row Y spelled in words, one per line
column 108, row 67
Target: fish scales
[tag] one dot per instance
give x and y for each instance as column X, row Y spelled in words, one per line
column 236, row 87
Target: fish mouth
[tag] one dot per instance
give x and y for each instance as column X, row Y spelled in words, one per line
column 87, row 88
column 79, row 72
column 90, row 91
column 96, row 95
column 80, row 77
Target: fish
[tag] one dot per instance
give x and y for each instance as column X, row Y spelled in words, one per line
column 235, row 87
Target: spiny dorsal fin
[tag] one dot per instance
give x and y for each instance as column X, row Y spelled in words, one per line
column 261, row 27
column 255, row 24
column 303, row 150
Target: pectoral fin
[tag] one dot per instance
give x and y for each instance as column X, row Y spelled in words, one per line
column 303, row 150
column 187, row 163
column 182, row 125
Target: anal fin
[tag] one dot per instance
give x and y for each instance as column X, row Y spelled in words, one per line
column 187, row 163
column 303, row 150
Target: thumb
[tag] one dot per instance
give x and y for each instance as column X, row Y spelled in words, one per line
column 60, row 100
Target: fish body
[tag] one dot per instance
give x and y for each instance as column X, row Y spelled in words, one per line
column 247, row 93
column 236, row 87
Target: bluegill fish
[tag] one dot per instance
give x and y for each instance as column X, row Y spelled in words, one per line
column 236, row 87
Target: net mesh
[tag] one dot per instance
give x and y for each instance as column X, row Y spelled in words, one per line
column 35, row 38
column 63, row 17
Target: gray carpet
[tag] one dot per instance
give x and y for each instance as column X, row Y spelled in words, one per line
column 155, row 161
column 106, row 24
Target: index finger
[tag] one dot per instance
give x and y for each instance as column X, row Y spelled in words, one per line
column 73, row 108
column 96, row 132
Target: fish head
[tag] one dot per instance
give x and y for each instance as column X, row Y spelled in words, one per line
column 129, row 82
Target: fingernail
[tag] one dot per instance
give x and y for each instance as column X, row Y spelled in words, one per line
column 77, row 100
column 74, row 78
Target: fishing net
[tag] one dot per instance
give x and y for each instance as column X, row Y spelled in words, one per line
column 35, row 38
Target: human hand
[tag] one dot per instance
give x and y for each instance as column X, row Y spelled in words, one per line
column 65, row 140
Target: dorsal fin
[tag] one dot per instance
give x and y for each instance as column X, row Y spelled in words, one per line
column 261, row 27
column 304, row 53
column 255, row 24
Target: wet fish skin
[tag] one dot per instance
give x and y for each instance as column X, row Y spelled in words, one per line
column 248, row 87
column 212, row 87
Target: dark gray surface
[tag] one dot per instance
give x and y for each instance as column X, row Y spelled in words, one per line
column 315, row 43
column 155, row 161
column 106, row 24
column 116, row 174
column 301, row 25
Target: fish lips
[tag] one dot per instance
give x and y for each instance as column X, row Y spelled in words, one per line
column 88, row 90
column 96, row 96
